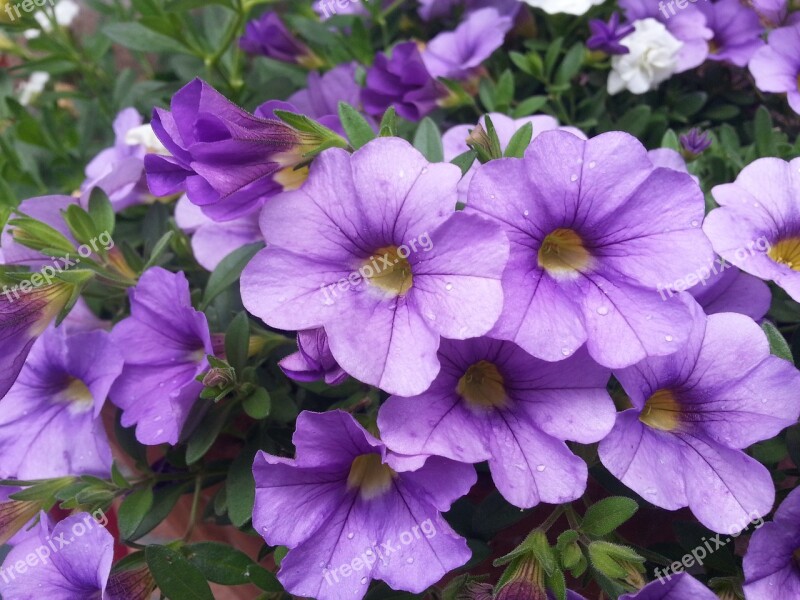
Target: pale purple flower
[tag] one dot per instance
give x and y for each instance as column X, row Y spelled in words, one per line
column 737, row 31
column 313, row 360
column 776, row 66
column 680, row 586
column 728, row 289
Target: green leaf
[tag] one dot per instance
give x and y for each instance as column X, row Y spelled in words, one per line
column 529, row 106
column 225, row 565
column 136, row 36
column 388, row 127
column 228, row 271
column 671, row 140
column 464, row 161
column 206, row 433
column 80, row 224
column 571, row 64
column 762, row 124
column 608, row 514
column 101, row 211
column 428, row 140
column 164, row 500
column 133, row 510
column 237, row 341
column 176, row 577
column 358, row 130
column 777, row 343
column 159, row 249
column 519, row 141
column 557, row 584
column 257, row 405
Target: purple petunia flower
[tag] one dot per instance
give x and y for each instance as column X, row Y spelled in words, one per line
column 606, row 36
column 687, row 25
column 313, row 360
column 776, row 66
column 737, row 31
column 773, row 13
column 435, row 9
column 694, row 411
column 165, row 343
column 493, row 401
column 370, row 249
column 24, row 315
column 772, row 561
column 351, row 512
column 322, row 94
column 584, row 250
column 226, row 160
column 695, row 141
column 213, row 240
column 401, row 81
column 727, row 289
column 79, row 569
column 455, row 54
column 680, row 586
column 53, row 409
column 268, row 36
column 757, row 227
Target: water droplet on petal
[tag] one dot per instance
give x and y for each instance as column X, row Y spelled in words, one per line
column 566, row 351
column 431, row 316
column 351, row 535
column 695, row 223
column 669, row 338
column 409, row 560
column 363, row 581
column 540, row 468
column 525, row 213
column 424, row 169
column 492, row 196
column 602, row 310
column 448, row 287
column 573, row 177
column 592, row 164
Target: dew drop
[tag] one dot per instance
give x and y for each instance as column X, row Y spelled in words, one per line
column 351, row 535
column 602, row 310
column 592, row 164
column 321, row 565
column 159, row 432
column 573, row 177
column 650, row 491
column 424, row 169
column 580, row 161
column 409, row 560
column 431, row 316
column 448, row 287
column 363, row 581
column 668, row 338
column 492, row 196
column 763, row 401
column 756, row 204
column 525, row 213
column 566, row 351
column 695, row 223
column 540, row 468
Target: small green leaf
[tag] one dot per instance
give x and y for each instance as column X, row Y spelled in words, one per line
column 519, row 141
column 257, row 405
column 237, row 341
column 228, row 271
column 133, row 510
column 176, row 577
column 464, row 161
column 388, row 127
column 428, row 140
column 136, row 36
column 358, row 130
column 159, row 249
column 608, row 514
column 777, row 343
column 225, row 565
column 101, row 211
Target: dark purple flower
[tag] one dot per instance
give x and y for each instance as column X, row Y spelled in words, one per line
column 776, row 66
column 737, row 31
column 50, row 423
column 225, row 159
column 695, row 141
column 772, row 561
column 493, row 401
column 680, row 586
column 401, row 81
column 606, row 36
column 352, row 512
column 165, row 343
column 267, row 35
column 313, row 360
column 79, row 569
column 693, row 412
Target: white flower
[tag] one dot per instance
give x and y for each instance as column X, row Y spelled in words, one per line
column 65, row 12
column 570, row 7
column 143, row 135
column 33, row 87
column 653, row 58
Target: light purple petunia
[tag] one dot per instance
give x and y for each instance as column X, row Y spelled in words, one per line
column 692, row 414
column 776, row 66
column 680, row 586
column 213, row 240
column 435, row 9
column 46, row 209
column 351, row 512
column 313, row 360
column 50, row 423
column 585, row 250
column 225, row 159
column 268, row 36
column 757, row 227
column 165, row 343
column 493, row 401
column 80, row 567
column 456, row 54
column 370, row 248
column 773, row 13
column 401, row 81
column 687, row 25
column 772, row 561
column 322, row 94
column 737, row 31
column 728, row 289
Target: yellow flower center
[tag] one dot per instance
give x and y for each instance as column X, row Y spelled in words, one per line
column 291, row 178
column 77, row 395
column 661, row 411
column 482, row 386
column 388, row 270
column 370, row 475
column 787, row 252
column 563, row 253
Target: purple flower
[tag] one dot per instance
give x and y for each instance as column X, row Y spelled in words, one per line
column 401, row 81
column 737, row 31
column 435, row 9
column 692, row 414
column 46, row 209
column 773, row 13
column 165, row 343
column 688, row 25
column 24, row 315
column 772, row 561
column 226, row 160
column 493, row 401
column 606, row 36
column 351, row 512
column 313, row 360
column 757, row 227
column 776, row 66
column 213, row 240
column 585, row 250
column 371, row 239
column 50, row 423
column 322, row 93
column 695, row 141
column 268, row 36
column 680, row 586
column 727, row 289
column 79, row 569
column 455, row 54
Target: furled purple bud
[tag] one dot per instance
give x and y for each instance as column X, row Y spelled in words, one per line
column 268, row 36
column 694, row 143
column 606, row 36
